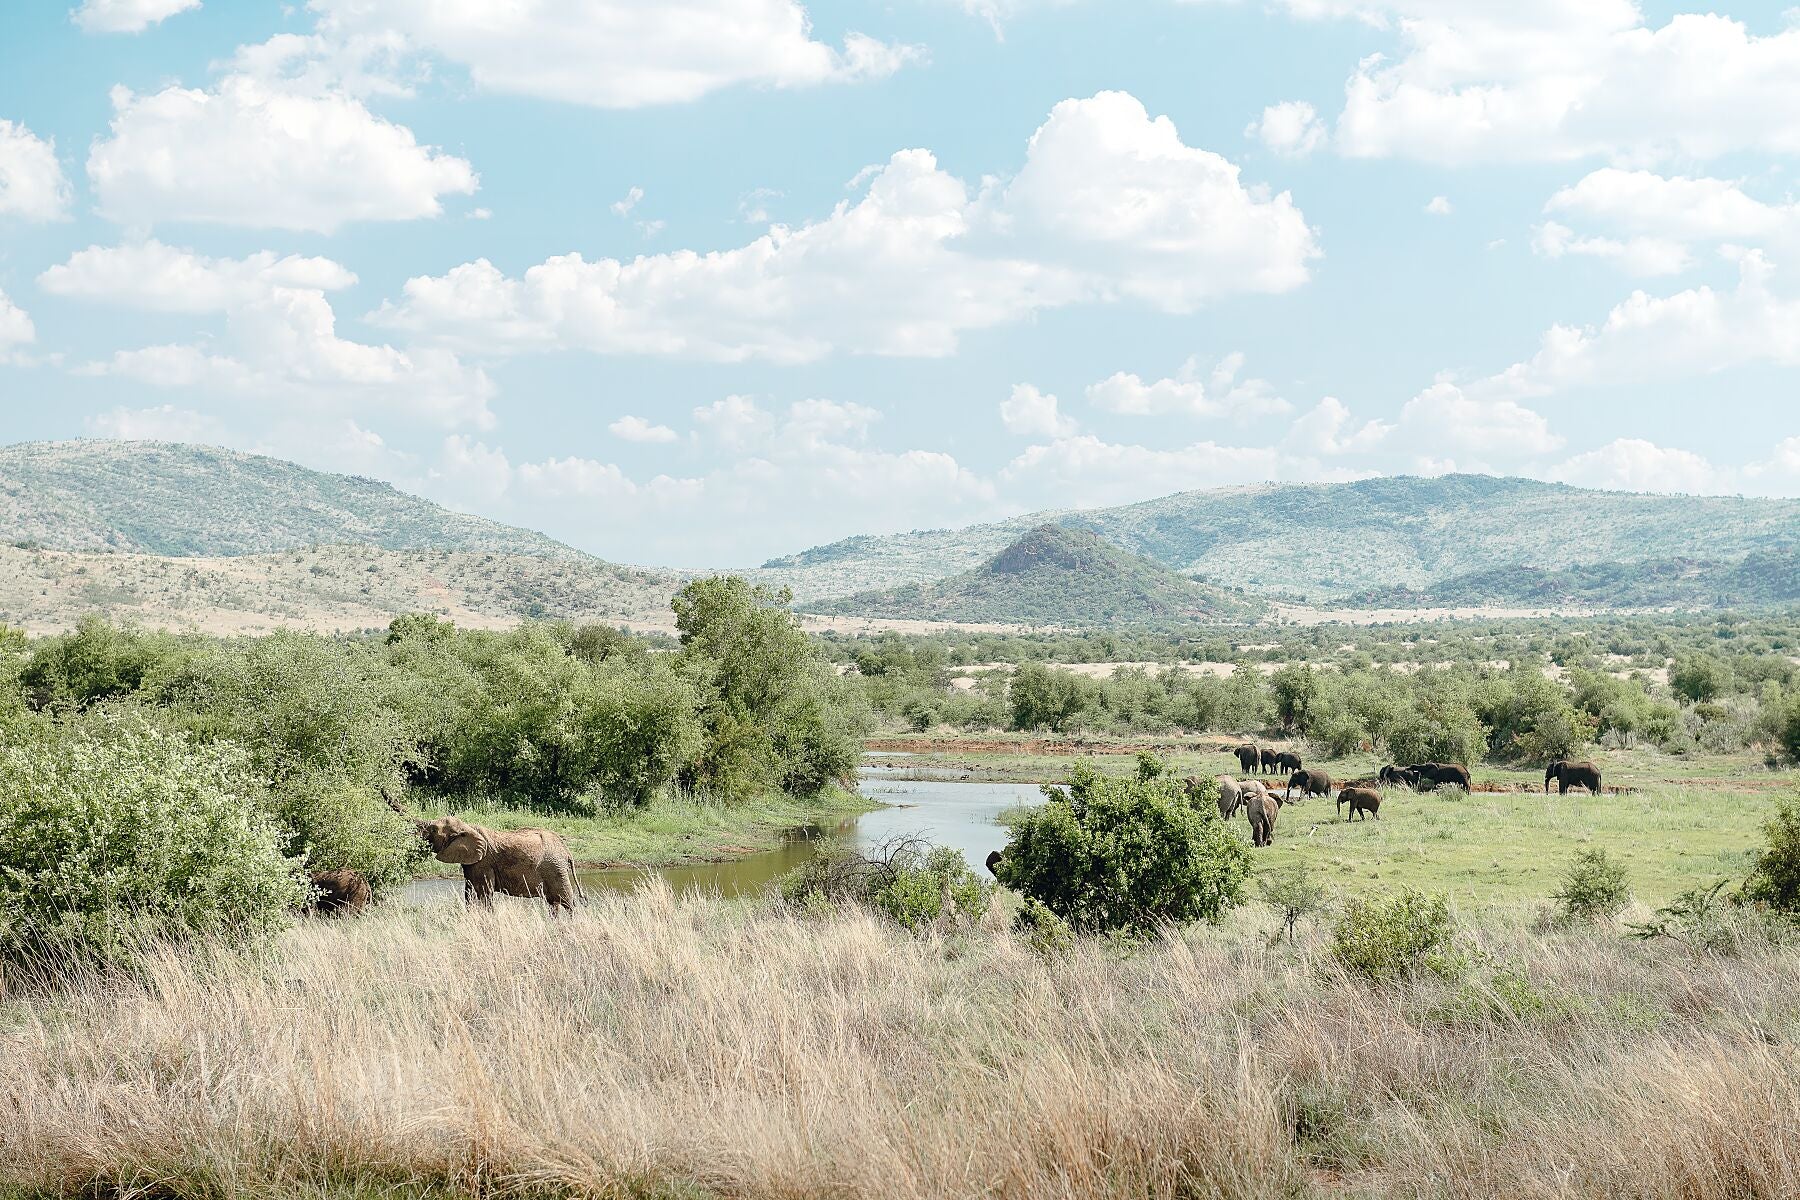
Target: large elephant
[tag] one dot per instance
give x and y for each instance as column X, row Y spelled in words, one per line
column 1310, row 783
column 1433, row 775
column 1268, row 761
column 339, row 893
column 1287, row 760
column 1361, row 800
column 1231, row 797
column 1262, row 807
column 1248, row 756
column 514, row 862
column 1392, row 776
column 1572, row 774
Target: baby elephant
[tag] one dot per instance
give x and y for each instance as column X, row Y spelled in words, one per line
column 1361, row 800
column 338, row 893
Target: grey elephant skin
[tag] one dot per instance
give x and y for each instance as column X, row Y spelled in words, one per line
column 1262, row 808
column 1248, row 757
column 1434, row 775
column 1310, row 783
column 1572, row 774
column 1364, row 800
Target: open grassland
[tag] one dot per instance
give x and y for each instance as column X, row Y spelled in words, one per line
column 1683, row 823
column 662, row 1047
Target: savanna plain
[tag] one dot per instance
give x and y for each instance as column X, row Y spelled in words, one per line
column 1497, row 992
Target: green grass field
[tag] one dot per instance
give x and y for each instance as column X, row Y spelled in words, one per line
column 1691, row 820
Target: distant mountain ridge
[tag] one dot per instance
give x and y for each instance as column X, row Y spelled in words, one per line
column 183, row 501
column 1053, row 576
column 1326, row 543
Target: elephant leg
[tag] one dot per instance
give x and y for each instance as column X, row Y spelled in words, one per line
column 478, row 886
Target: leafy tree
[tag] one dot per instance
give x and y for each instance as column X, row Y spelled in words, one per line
column 1775, row 874
column 1296, row 690
column 1125, row 855
column 1700, row 677
column 1293, row 893
column 1384, row 940
column 96, row 661
column 1045, row 699
column 118, row 835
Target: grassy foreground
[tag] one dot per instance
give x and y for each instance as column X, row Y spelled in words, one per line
column 682, row 1047
column 672, row 830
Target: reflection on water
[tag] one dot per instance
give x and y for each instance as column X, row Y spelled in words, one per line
column 942, row 812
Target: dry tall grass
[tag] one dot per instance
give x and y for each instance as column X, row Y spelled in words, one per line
column 655, row 1046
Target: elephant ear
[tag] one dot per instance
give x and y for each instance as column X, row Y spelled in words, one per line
column 464, row 844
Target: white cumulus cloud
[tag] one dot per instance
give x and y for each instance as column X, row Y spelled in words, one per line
column 1636, row 465
column 1193, row 392
column 1033, row 413
column 252, row 155
column 16, row 330
column 1110, row 205
column 127, row 16
column 279, row 341
column 637, row 429
column 622, row 53
column 32, row 183
column 1291, row 128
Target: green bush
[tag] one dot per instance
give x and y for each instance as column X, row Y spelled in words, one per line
column 1125, row 855
column 907, row 880
column 127, row 835
column 1293, row 893
column 1042, row 930
column 1775, row 874
column 1397, row 938
column 1594, row 887
column 1042, row 698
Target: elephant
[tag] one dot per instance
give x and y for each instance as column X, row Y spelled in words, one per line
column 1231, row 797
column 1310, row 783
column 1268, row 761
column 1392, row 776
column 993, row 862
column 1262, row 807
column 1288, row 761
column 1248, row 756
column 533, row 863
column 338, row 893
column 1433, row 775
column 1361, row 800
column 1572, row 774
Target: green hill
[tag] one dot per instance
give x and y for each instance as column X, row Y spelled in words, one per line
column 1328, row 542
column 179, row 501
column 1758, row 579
column 1053, row 576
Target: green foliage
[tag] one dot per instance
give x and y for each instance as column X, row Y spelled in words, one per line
column 97, row 661
column 121, row 834
column 1704, row 921
column 1790, row 728
column 915, row 884
column 1397, row 938
column 1700, row 677
column 1149, row 766
column 1594, row 888
column 774, row 713
column 1775, row 873
column 1045, row 699
column 1125, row 855
column 1293, row 893
column 1045, row 932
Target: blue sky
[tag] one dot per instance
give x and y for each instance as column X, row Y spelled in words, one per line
column 705, row 281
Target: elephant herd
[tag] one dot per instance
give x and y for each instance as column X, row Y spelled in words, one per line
column 1254, row 759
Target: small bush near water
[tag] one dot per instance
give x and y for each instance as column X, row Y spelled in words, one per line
column 1125, row 855
column 129, row 836
column 907, row 880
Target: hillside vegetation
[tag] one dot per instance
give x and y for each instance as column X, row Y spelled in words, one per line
column 324, row 588
column 1757, row 579
column 1059, row 576
column 179, row 500
column 1325, row 542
